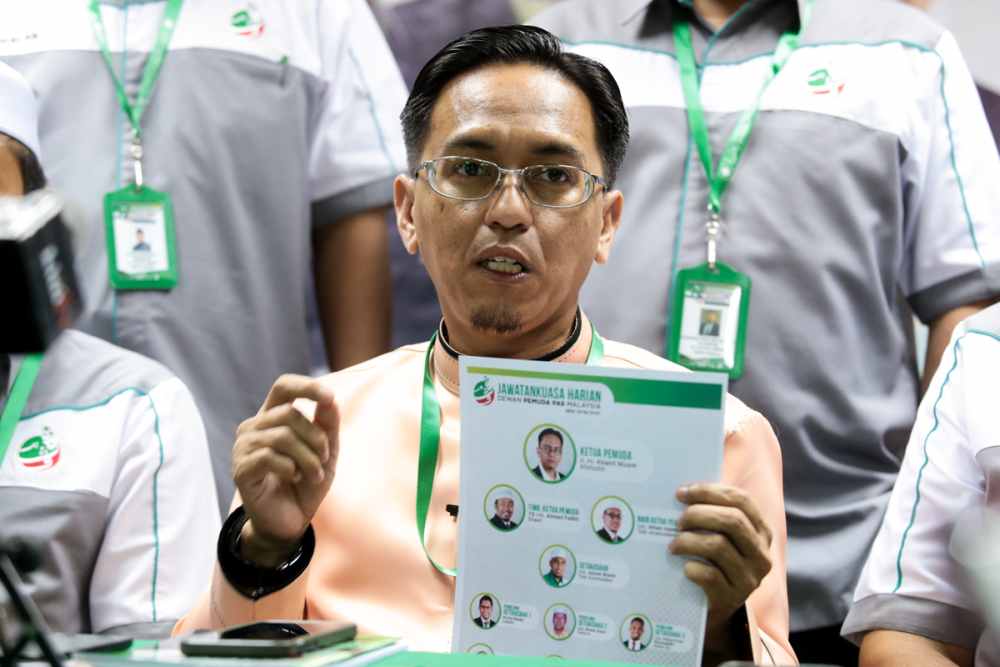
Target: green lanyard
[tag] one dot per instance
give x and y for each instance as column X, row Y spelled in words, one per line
column 18, row 398
column 430, row 439
column 135, row 111
column 719, row 176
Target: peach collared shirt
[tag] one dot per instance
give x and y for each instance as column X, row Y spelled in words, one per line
column 369, row 567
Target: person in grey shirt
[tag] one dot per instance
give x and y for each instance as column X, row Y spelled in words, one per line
column 107, row 470
column 867, row 192
column 272, row 127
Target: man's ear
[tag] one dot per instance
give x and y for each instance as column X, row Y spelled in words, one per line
column 611, row 217
column 402, row 198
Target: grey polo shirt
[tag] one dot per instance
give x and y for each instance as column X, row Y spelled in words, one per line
column 256, row 117
column 869, row 188
column 107, row 474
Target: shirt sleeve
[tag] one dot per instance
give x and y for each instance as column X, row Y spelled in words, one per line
column 358, row 144
column 952, row 203
column 910, row 582
column 156, row 556
column 752, row 462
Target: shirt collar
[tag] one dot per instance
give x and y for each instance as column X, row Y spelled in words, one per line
column 445, row 366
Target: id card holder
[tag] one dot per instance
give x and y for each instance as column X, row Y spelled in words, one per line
column 142, row 252
column 709, row 319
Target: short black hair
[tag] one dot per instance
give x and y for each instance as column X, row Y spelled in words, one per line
column 550, row 431
column 31, row 170
column 486, row 598
column 514, row 44
column 641, row 620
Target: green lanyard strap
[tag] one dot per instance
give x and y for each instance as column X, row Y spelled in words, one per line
column 720, row 176
column 430, row 440
column 135, row 111
column 18, row 398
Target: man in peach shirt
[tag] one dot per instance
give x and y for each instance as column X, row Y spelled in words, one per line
column 507, row 257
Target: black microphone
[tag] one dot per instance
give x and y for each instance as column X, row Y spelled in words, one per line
column 41, row 296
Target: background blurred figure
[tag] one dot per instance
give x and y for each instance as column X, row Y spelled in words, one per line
column 272, row 126
column 106, row 470
column 845, row 217
column 914, row 603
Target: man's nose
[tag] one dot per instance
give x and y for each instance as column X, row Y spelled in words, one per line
column 510, row 207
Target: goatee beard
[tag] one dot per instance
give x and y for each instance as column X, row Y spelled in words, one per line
column 499, row 319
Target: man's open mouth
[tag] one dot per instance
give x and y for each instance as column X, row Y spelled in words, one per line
column 503, row 265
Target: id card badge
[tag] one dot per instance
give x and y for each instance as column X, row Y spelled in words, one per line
column 709, row 319
column 142, row 253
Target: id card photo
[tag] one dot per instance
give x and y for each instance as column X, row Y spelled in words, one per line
column 140, row 240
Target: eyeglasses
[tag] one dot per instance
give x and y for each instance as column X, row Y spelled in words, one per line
column 549, row 449
column 471, row 179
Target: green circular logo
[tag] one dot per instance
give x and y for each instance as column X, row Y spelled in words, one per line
column 40, row 452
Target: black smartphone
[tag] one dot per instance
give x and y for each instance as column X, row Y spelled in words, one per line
column 269, row 639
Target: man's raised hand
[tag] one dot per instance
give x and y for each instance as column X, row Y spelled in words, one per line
column 283, row 465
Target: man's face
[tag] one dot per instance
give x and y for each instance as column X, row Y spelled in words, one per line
column 550, row 452
column 505, row 508
column 11, row 183
column 612, row 519
column 559, row 622
column 514, row 115
column 558, row 566
column 485, row 609
column 635, row 629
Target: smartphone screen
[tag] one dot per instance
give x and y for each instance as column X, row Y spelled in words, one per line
column 272, row 630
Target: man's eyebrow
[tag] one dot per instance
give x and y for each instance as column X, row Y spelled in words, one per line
column 456, row 145
column 558, row 149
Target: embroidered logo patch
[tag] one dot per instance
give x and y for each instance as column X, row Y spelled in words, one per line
column 247, row 22
column 821, row 82
column 484, row 392
column 40, row 452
